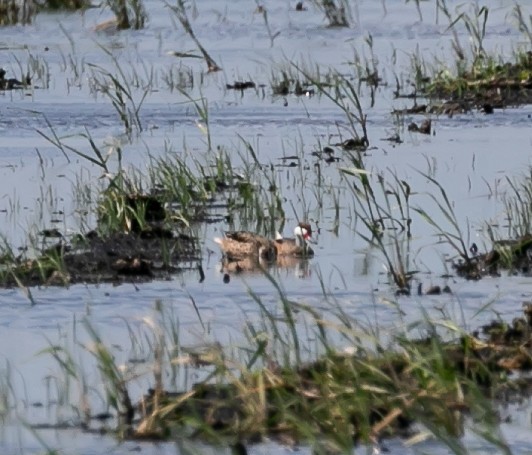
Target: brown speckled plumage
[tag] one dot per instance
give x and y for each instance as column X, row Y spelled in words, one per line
column 241, row 244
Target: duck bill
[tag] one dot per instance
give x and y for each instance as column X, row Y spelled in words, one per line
column 309, row 239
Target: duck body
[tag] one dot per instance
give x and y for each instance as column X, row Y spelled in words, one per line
column 297, row 246
column 291, row 247
column 243, row 244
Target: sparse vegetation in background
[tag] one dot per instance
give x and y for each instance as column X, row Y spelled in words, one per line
column 524, row 23
column 128, row 13
column 264, row 12
column 14, row 12
column 62, row 5
column 121, row 90
column 368, row 69
column 178, row 77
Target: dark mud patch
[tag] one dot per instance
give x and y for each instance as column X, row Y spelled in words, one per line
column 154, row 253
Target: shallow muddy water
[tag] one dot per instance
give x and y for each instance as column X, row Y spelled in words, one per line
column 470, row 155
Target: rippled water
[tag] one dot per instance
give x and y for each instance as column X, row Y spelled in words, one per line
column 470, row 155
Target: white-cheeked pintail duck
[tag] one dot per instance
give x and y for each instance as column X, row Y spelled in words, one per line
column 241, row 244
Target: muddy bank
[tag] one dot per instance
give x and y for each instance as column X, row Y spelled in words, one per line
column 137, row 257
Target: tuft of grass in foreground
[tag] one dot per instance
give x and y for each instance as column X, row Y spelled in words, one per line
column 378, row 387
column 343, row 399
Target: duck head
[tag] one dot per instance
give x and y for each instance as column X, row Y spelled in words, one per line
column 303, row 231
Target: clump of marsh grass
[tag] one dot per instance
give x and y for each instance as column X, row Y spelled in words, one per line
column 180, row 78
column 512, row 245
column 13, row 12
column 197, row 187
column 453, row 234
column 518, row 206
column 180, row 11
column 475, row 23
column 346, row 97
column 123, row 206
column 120, row 90
column 300, row 79
column 177, row 182
column 289, row 378
column 384, row 208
